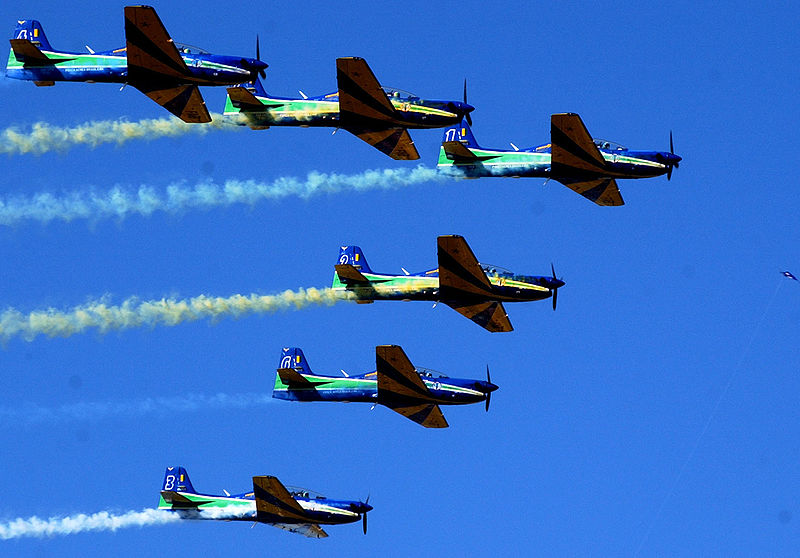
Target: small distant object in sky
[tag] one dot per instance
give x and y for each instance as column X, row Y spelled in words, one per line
column 585, row 165
column 788, row 274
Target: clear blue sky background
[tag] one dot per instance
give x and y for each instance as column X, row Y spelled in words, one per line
column 674, row 317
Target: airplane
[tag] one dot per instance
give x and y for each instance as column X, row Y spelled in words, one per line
column 474, row 290
column 381, row 116
column 292, row 509
column 588, row 166
column 165, row 71
column 414, row 392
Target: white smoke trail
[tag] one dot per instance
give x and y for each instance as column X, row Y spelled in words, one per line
column 168, row 312
column 121, row 202
column 44, row 137
column 31, row 413
column 101, row 521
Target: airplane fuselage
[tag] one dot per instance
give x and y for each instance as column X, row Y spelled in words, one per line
column 506, row 287
column 323, row 111
column 364, row 388
column 535, row 162
column 242, row 507
column 112, row 67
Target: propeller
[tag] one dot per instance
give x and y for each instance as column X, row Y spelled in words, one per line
column 256, row 68
column 672, row 162
column 555, row 290
column 469, row 118
column 488, row 393
column 364, row 517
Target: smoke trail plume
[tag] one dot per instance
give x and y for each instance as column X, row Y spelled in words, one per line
column 150, row 313
column 44, row 137
column 30, row 413
column 101, row 521
column 121, row 202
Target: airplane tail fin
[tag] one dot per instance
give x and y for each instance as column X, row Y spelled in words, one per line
column 293, row 357
column 176, row 479
column 352, row 255
column 461, row 133
column 31, row 30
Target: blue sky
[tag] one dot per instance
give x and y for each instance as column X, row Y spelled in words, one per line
column 654, row 412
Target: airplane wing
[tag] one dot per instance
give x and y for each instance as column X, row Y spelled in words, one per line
column 361, row 97
column 274, row 504
column 30, row 55
column 394, row 142
column 573, row 150
column 460, row 274
column 366, row 112
column 603, row 191
column 310, row 530
column 245, row 101
column 402, row 390
column 184, row 101
column 156, row 68
column 490, row 315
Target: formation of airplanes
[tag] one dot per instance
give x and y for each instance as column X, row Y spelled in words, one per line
column 171, row 73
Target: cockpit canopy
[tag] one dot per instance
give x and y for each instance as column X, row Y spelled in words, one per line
column 189, row 49
column 400, row 95
column 304, row 493
column 496, row 271
column 428, row 373
column 608, row 145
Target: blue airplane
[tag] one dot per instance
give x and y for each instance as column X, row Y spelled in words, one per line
column 167, row 72
column 293, row 509
column 474, row 290
column 588, row 166
column 414, row 392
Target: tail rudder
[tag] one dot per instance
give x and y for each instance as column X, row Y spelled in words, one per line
column 461, row 133
column 293, row 357
column 31, row 30
column 176, row 479
column 352, row 255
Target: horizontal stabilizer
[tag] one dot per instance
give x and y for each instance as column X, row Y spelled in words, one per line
column 460, row 153
column 603, row 191
column 245, row 100
column 349, row 275
column 30, row 55
column 178, row 500
column 293, row 378
column 274, row 503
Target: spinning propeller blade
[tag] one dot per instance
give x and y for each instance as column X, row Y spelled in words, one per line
column 469, row 118
column 488, row 394
column 555, row 290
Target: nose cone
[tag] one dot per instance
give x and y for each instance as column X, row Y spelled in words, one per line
column 556, row 283
column 485, row 387
column 460, row 108
column 360, row 507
